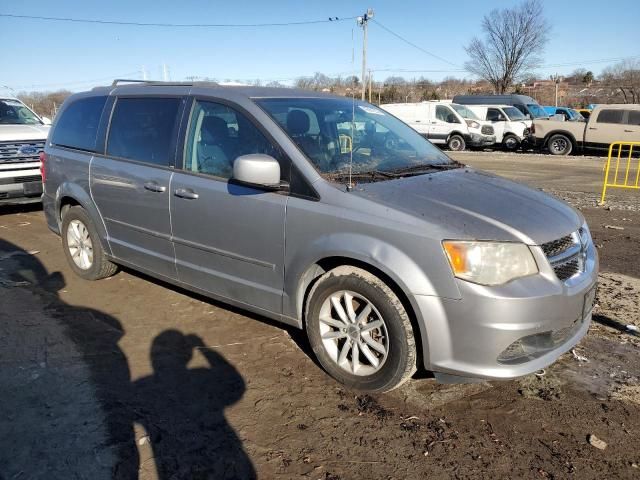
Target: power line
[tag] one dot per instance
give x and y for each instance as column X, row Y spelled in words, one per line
column 590, row 62
column 81, row 82
column 413, row 44
column 178, row 25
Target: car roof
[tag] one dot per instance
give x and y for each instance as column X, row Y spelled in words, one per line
column 148, row 88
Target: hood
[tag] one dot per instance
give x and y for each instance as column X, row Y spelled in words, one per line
column 474, row 205
column 17, row 133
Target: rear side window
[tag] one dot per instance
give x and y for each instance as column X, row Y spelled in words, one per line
column 78, row 124
column 610, row 116
column 633, row 117
column 143, row 129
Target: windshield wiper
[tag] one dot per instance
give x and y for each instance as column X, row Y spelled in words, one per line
column 369, row 175
column 425, row 168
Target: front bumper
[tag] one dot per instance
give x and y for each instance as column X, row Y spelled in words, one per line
column 477, row 140
column 19, row 193
column 468, row 337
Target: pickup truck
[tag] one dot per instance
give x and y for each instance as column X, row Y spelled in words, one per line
column 607, row 124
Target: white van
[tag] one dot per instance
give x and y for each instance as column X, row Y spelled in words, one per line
column 442, row 123
column 510, row 124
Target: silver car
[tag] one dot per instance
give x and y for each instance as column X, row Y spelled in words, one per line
column 325, row 213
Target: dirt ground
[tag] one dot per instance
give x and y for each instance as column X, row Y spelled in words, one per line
column 131, row 378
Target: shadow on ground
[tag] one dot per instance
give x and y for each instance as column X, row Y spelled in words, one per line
column 73, row 404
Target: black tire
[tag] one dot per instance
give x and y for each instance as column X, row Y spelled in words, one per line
column 510, row 143
column 100, row 266
column 559, row 144
column 400, row 362
column 456, row 143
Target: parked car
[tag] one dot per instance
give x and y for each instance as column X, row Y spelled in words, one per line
column 607, row 124
column 527, row 105
column 510, row 125
column 444, row 123
column 566, row 113
column 383, row 249
column 22, row 137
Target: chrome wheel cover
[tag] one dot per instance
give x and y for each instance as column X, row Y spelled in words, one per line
column 79, row 244
column 353, row 333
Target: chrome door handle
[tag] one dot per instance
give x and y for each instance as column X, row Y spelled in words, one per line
column 592, row 128
column 154, row 187
column 629, row 131
column 186, row 193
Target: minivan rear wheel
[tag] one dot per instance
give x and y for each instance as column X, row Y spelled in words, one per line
column 359, row 330
column 456, row 143
column 82, row 246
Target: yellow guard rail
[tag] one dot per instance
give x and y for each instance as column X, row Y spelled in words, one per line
column 630, row 171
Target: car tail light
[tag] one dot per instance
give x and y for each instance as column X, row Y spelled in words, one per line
column 43, row 170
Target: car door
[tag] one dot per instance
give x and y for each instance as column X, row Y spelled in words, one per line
column 229, row 238
column 608, row 126
column 631, row 131
column 443, row 123
column 499, row 122
column 130, row 183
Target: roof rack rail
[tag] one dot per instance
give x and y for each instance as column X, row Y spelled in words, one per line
column 118, row 81
column 127, row 80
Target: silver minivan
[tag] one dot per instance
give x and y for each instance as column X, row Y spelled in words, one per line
column 325, row 213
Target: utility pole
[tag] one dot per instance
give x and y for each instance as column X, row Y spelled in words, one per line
column 556, row 80
column 363, row 21
column 144, row 73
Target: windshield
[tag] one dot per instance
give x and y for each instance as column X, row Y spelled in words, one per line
column 576, row 116
column 464, row 112
column 537, row 111
column 514, row 114
column 14, row 112
column 334, row 133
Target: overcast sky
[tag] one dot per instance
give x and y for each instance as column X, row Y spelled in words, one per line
column 43, row 55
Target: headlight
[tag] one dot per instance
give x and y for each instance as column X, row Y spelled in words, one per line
column 473, row 124
column 489, row 263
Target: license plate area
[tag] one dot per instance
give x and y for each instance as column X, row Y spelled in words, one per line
column 32, row 188
column 589, row 300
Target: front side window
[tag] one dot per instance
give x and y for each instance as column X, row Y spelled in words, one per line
column 14, row 112
column 218, row 135
column 493, row 115
column 143, row 129
column 610, row 116
column 446, row 115
column 353, row 135
column 78, row 124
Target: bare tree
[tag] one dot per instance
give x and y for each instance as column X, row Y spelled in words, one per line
column 624, row 76
column 514, row 40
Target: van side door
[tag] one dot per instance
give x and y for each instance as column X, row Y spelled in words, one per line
column 228, row 238
column 130, row 183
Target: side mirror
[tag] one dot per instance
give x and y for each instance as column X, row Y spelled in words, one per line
column 46, row 120
column 257, row 170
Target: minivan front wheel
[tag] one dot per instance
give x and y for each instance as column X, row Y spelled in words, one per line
column 82, row 246
column 360, row 331
column 456, row 143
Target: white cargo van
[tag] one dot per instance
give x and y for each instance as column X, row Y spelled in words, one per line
column 442, row 123
column 510, row 124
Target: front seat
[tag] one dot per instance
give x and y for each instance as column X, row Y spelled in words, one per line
column 215, row 149
column 298, row 125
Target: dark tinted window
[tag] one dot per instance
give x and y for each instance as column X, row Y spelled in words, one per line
column 217, row 136
column 78, row 124
column 610, row 116
column 633, row 117
column 493, row 115
column 142, row 129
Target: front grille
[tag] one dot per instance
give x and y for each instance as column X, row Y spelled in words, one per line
column 487, row 130
column 25, row 179
column 556, row 247
column 10, row 151
column 565, row 255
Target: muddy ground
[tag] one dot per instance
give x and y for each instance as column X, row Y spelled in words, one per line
column 131, row 378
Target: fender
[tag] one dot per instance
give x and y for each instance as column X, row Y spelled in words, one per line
column 72, row 190
column 386, row 258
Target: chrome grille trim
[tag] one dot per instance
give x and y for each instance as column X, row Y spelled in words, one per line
column 9, row 150
column 566, row 256
column 487, row 130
